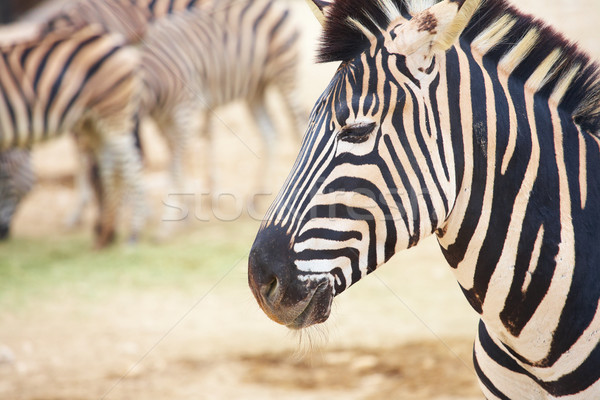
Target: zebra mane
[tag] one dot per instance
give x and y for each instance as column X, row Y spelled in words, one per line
column 534, row 53
column 521, row 45
column 350, row 25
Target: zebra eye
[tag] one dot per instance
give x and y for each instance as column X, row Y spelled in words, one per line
column 358, row 133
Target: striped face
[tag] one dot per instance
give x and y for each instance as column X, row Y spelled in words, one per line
column 369, row 181
column 371, row 177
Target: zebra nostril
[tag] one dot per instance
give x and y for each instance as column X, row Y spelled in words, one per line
column 271, row 290
column 270, row 269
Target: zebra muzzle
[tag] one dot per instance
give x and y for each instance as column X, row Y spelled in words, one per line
column 287, row 297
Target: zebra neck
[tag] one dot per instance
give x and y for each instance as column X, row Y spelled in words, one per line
column 517, row 237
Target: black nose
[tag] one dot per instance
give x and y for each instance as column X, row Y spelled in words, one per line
column 4, row 231
column 270, row 265
column 287, row 295
column 274, row 279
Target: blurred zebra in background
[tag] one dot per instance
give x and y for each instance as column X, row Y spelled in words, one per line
column 199, row 55
column 226, row 50
column 16, row 170
column 214, row 54
column 83, row 81
column 129, row 18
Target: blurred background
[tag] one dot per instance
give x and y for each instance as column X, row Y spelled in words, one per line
column 174, row 319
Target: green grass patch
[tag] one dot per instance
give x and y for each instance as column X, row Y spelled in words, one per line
column 36, row 269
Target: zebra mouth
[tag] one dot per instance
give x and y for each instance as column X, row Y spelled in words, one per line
column 317, row 309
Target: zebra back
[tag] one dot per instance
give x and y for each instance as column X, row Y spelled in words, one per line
column 220, row 51
column 161, row 8
column 117, row 16
column 129, row 18
column 50, row 84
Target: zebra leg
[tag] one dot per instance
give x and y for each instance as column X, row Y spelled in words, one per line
column 83, row 185
column 185, row 124
column 93, row 178
column 108, row 200
column 177, row 130
column 174, row 167
column 129, row 170
column 120, row 174
column 209, row 165
column 267, row 131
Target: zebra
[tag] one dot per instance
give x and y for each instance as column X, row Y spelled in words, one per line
column 225, row 51
column 82, row 80
column 471, row 121
column 196, row 59
column 122, row 17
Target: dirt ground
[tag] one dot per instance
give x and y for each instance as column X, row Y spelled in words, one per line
column 405, row 333
column 386, row 339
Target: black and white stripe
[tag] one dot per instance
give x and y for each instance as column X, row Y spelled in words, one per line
column 199, row 55
column 130, row 18
column 490, row 142
column 84, row 81
column 216, row 53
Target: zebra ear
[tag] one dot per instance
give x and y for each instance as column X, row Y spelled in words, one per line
column 432, row 31
column 319, row 8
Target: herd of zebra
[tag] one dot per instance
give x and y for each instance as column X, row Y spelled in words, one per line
column 460, row 118
column 97, row 67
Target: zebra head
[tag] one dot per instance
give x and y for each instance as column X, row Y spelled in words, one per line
column 371, row 177
column 16, row 180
